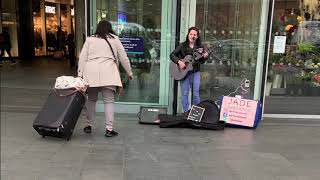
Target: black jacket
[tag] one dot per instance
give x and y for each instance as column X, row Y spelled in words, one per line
column 183, row 50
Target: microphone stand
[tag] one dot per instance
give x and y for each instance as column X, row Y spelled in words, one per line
column 192, row 75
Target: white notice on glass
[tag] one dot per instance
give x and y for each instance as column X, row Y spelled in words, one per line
column 279, row 45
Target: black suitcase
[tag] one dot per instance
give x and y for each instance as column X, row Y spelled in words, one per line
column 60, row 113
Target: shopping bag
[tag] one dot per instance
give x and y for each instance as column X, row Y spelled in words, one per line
column 240, row 112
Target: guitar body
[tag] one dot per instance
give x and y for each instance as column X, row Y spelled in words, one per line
column 179, row 74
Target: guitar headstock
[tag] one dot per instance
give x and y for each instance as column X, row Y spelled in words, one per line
column 207, row 48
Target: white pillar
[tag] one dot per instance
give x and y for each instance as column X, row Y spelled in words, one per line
column 140, row 12
column 261, row 49
column 188, row 17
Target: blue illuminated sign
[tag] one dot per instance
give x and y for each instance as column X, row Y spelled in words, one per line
column 133, row 45
column 122, row 18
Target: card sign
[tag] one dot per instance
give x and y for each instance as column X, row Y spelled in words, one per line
column 50, row 9
column 196, row 113
column 279, row 45
column 238, row 111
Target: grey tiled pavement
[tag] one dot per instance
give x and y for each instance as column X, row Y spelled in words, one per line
column 279, row 149
column 273, row 151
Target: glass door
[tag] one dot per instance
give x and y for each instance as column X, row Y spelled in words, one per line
column 234, row 30
column 144, row 28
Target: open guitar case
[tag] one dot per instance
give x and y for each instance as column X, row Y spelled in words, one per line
column 210, row 119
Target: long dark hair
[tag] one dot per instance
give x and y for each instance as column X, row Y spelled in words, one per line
column 104, row 29
column 198, row 41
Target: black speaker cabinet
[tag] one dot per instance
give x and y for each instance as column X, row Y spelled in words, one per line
column 149, row 114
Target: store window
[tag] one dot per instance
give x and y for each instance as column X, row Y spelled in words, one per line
column 52, row 21
column 8, row 24
column 294, row 64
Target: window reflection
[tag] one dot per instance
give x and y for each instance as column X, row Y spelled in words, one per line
column 138, row 25
column 230, row 29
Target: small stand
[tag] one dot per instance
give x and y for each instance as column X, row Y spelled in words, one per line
column 192, row 76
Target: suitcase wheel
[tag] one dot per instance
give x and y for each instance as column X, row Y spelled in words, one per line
column 43, row 136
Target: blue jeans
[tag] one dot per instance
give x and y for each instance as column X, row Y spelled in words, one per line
column 186, row 84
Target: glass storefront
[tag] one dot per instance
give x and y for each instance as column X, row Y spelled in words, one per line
column 237, row 42
column 293, row 81
column 141, row 26
column 9, row 23
column 236, row 31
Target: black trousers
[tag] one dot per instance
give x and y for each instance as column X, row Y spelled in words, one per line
column 8, row 50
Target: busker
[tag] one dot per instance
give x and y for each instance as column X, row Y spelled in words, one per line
column 192, row 79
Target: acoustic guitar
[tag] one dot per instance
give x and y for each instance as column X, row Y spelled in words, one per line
column 179, row 74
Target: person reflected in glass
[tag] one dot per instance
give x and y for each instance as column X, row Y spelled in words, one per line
column 191, row 45
column 5, row 46
column 98, row 65
column 71, row 51
column 60, row 40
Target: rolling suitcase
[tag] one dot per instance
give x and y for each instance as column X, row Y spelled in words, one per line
column 60, row 113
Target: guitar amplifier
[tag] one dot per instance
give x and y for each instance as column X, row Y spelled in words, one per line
column 149, row 114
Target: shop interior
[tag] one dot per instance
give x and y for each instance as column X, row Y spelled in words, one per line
column 294, row 63
column 53, row 21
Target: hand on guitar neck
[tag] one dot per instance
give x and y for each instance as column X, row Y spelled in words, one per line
column 182, row 64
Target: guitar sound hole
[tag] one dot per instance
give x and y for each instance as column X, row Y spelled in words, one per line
column 187, row 64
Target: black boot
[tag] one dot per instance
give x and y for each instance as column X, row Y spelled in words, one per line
column 87, row 129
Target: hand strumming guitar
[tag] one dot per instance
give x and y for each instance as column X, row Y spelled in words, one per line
column 205, row 54
column 181, row 64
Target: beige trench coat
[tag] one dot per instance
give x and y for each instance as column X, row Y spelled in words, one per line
column 97, row 65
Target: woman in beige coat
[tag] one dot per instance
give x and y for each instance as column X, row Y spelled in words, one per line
column 98, row 65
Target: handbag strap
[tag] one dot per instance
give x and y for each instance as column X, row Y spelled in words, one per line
column 111, row 49
column 114, row 58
